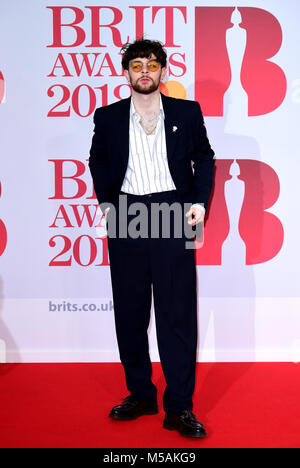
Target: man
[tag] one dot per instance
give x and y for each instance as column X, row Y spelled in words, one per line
column 153, row 149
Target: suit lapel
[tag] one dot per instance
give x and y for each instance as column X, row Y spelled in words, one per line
column 171, row 125
column 123, row 129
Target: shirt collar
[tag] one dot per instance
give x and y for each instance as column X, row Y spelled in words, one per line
column 135, row 114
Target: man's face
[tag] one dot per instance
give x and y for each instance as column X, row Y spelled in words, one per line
column 145, row 74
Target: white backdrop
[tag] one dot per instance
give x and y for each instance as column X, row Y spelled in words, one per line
column 58, row 62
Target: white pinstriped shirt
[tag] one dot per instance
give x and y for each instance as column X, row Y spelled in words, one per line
column 147, row 170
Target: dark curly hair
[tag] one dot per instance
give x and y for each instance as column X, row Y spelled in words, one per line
column 143, row 48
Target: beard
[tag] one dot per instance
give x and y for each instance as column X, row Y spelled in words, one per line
column 139, row 88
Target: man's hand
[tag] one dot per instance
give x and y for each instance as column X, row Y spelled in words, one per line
column 199, row 213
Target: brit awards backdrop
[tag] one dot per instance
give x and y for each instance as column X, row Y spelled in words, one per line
column 58, row 63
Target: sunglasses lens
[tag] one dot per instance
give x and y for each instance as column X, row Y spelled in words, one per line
column 136, row 66
column 153, row 66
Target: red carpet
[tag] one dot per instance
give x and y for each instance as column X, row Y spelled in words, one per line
column 66, row 405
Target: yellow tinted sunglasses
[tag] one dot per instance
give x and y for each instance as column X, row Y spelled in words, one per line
column 137, row 66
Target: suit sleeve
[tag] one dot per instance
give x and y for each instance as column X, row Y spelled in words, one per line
column 203, row 162
column 99, row 163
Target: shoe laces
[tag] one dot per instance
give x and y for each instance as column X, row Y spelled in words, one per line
column 188, row 414
column 129, row 399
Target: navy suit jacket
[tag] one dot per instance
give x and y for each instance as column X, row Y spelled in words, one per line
column 190, row 157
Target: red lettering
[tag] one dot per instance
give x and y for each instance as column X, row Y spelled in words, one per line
column 85, row 62
column 3, row 233
column 261, row 231
column 58, row 25
column 60, row 60
column 169, row 22
column 64, row 183
column 96, row 26
column 109, row 65
column 217, row 223
column 91, row 100
column 64, row 216
column 117, row 90
column 212, row 67
column 139, row 20
column 91, row 247
column 67, row 246
column 263, row 80
column 180, row 65
column 2, row 87
column 105, row 259
column 3, row 237
column 65, row 98
column 93, row 250
column 86, row 214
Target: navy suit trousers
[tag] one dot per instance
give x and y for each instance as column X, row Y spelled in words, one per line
column 166, row 268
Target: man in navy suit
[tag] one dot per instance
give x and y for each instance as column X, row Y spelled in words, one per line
column 152, row 150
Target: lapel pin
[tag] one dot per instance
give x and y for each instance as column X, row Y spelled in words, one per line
column 174, row 129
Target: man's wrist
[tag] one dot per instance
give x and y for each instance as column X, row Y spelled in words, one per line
column 104, row 207
column 199, row 205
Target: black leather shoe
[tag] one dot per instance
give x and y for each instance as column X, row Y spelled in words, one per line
column 185, row 423
column 132, row 408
